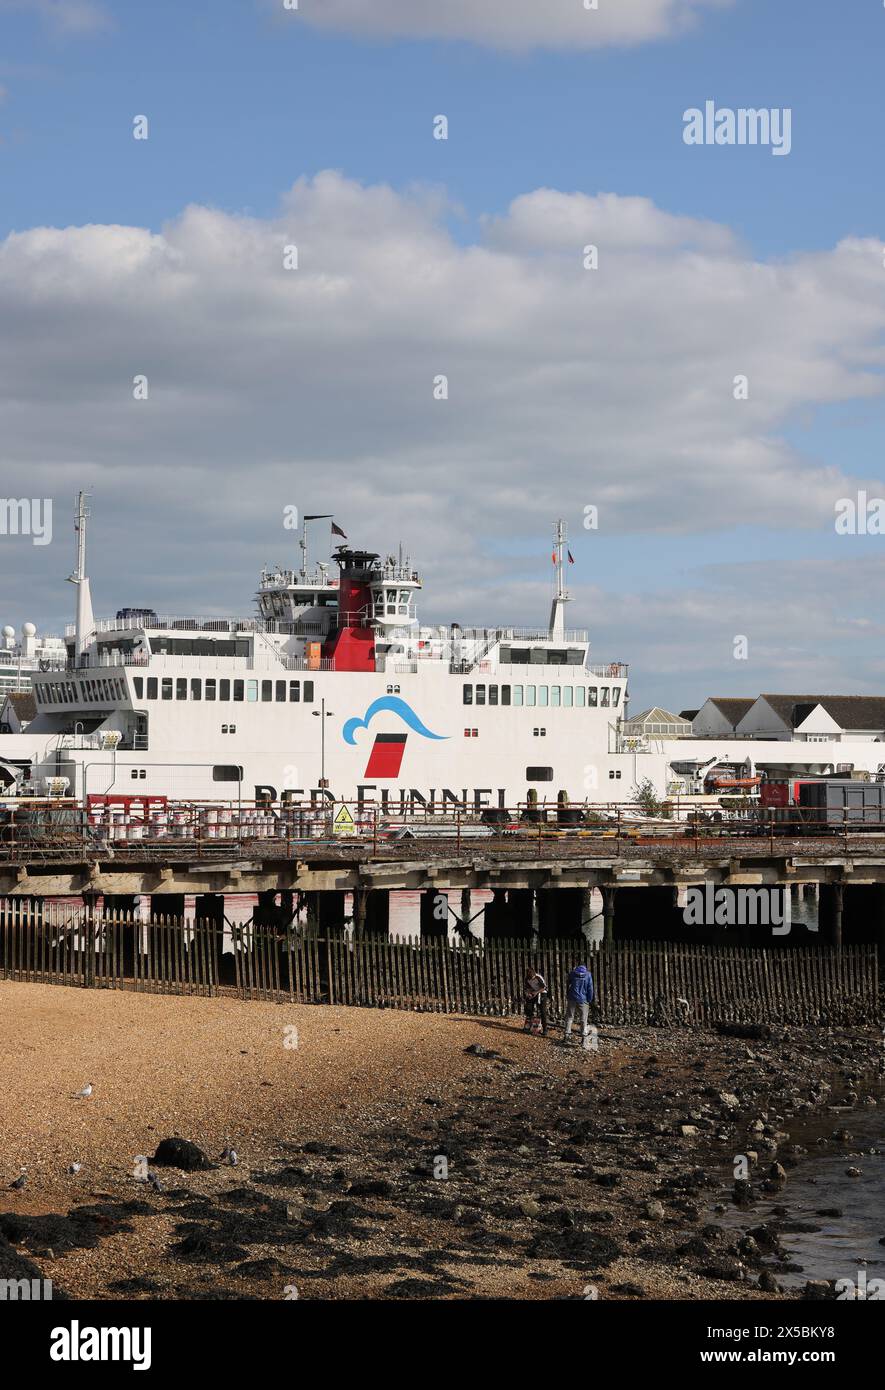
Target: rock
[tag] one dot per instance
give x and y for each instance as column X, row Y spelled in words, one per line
column 180, row 1153
column 729, row 1100
column 815, row 1290
column 688, row 1131
column 528, row 1206
column 768, row 1283
column 371, row 1187
column 853, row 1173
column 777, row 1173
column 742, row 1192
column 654, row 1210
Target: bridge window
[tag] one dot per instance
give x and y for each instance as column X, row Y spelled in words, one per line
column 266, row 690
column 308, row 692
column 616, row 694
column 606, row 695
column 530, row 694
column 493, row 694
column 505, row 694
column 542, row 695
column 517, row 694
column 238, row 691
column 567, row 694
column 196, row 688
column 468, row 694
column 592, row 694
column 166, row 687
column 281, row 690
column 224, row 690
column 554, row 695
column 580, row 696
column 295, row 691
column 210, row 688
column 138, row 686
column 252, row 691
column 480, row 694
column 181, row 688
column 227, row 773
column 152, row 687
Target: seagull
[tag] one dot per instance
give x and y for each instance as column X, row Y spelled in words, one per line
column 75, row 1168
column 141, row 1168
column 229, row 1155
column 155, row 1182
column 19, row 1182
column 85, row 1093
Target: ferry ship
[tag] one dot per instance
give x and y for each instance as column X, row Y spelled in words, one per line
column 332, row 691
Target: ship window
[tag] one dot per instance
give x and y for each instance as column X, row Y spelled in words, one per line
column 166, row 687
column 542, row 695
column 616, row 694
column 580, row 696
column 554, row 695
column 308, row 692
column 606, row 693
column 591, row 696
column 251, row 691
column 210, row 688
column 295, row 690
column 223, row 773
column 267, row 690
column 224, row 690
column 181, row 688
column 493, row 694
column 238, row 690
column 480, row 694
column 539, row 774
column 468, row 694
column 152, row 687
column 281, row 690
column 505, row 694
column 519, row 656
column 567, row 696
column 530, row 694
column 196, row 688
column 517, row 694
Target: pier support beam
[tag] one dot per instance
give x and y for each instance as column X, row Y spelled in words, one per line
column 608, row 913
column 830, row 916
column 434, row 914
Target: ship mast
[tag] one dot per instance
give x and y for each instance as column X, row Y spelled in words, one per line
column 85, row 622
column 561, row 595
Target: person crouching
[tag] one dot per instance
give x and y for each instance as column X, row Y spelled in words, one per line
column 535, row 1000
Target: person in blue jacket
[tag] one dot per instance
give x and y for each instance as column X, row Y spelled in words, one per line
column 579, row 997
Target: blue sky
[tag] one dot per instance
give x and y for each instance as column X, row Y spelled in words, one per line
column 243, row 101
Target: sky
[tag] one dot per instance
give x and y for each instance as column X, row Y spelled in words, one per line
column 711, row 383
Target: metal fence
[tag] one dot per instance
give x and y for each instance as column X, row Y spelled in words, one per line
column 636, row 982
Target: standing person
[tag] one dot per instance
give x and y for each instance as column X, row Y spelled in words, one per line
column 535, row 997
column 579, row 997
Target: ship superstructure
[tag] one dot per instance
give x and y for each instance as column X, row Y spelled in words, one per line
column 335, row 690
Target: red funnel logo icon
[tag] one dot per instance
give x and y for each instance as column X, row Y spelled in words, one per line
column 386, row 756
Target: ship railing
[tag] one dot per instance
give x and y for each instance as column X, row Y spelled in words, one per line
column 614, row 670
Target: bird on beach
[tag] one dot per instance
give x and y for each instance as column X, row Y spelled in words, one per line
column 229, row 1155
column 155, row 1182
column 20, row 1181
column 75, row 1168
column 85, row 1093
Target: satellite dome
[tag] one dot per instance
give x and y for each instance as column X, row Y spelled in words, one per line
column 28, row 629
column 9, row 630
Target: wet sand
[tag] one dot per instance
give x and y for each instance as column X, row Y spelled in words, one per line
column 565, row 1173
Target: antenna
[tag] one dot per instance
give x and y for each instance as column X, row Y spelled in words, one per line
column 85, row 622
column 561, row 596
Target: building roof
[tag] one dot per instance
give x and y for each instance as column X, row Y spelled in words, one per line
column 848, row 711
column 688, row 714
column 23, row 703
column 733, row 708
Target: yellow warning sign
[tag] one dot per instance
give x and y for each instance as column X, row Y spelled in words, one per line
column 343, row 823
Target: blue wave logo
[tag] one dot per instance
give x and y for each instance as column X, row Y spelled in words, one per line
column 394, row 705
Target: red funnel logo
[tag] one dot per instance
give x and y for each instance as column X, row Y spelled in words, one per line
column 386, row 756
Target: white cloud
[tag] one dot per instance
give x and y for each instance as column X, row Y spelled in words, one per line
column 65, row 17
column 313, row 387
column 507, row 24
